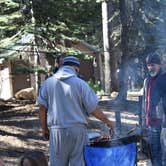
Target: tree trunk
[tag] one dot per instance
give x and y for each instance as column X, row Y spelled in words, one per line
column 113, row 57
column 123, row 75
column 106, row 47
column 35, row 50
column 114, row 81
column 101, row 70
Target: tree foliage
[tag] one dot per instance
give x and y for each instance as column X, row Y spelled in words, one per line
column 11, row 21
column 55, row 24
column 137, row 28
column 61, row 21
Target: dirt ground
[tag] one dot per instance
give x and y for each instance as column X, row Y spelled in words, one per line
column 20, row 130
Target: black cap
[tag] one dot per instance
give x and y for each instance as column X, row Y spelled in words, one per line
column 153, row 58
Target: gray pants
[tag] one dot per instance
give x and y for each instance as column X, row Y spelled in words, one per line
column 66, row 146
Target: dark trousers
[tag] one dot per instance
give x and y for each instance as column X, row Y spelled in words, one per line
column 155, row 145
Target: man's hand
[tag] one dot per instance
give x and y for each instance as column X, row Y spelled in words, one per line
column 46, row 135
column 43, row 121
column 101, row 116
column 163, row 136
column 110, row 125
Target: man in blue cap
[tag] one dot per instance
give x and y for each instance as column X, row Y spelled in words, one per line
column 154, row 106
column 66, row 101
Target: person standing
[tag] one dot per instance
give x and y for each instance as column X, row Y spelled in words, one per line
column 65, row 101
column 154, row 106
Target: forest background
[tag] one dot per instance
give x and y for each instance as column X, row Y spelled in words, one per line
column 122, row 31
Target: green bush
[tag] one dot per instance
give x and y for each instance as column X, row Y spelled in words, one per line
column 96, row 87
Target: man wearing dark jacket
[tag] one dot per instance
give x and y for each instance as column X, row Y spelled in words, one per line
column 154, row 106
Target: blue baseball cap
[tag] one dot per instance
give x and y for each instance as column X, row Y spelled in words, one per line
column 71, row 61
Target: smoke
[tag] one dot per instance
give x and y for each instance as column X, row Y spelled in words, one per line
column 149, row 23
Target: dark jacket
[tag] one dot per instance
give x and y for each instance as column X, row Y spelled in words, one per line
column 157, row 101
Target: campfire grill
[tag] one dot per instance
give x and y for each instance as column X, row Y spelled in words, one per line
column 116, row 151
column 115, row 141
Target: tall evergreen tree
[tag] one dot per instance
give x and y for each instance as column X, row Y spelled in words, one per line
column 11, row 22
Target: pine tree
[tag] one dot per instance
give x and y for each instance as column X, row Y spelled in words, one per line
column 11, row 22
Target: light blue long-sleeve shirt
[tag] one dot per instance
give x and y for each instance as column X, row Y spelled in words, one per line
column 69, row 99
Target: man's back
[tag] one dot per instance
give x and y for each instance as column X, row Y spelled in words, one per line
column 70, row 99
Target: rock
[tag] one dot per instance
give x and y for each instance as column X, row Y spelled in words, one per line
column 26, row 94
column 114, row 94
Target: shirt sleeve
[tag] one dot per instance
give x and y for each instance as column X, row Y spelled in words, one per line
column 161, row 84
column 143, row 106
column 162, row 91
column 42, row 98
column 90, row 100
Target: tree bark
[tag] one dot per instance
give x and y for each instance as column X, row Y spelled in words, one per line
column 123, row 75
column 113, row 58
column 106, row 46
